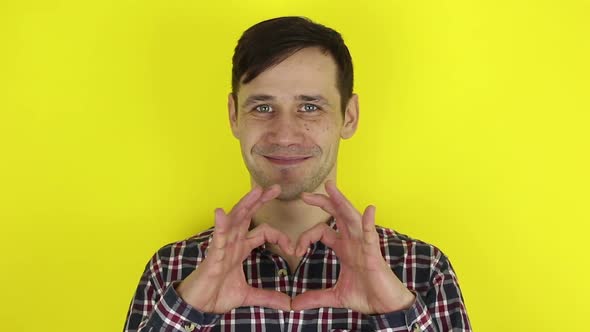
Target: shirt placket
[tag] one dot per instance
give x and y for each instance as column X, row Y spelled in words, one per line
column 287, row 281
column 281, row 274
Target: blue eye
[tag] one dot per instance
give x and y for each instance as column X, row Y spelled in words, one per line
column 310, row 108
column 263, row 108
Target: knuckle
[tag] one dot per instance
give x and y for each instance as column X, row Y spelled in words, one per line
column 322, row 228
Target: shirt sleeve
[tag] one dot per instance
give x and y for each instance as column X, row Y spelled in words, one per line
column 157, row 307
column 441, row 309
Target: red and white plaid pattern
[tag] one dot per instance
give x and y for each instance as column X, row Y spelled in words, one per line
column 424, row 269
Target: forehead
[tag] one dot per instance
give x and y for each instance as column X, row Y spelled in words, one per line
column 309, row 71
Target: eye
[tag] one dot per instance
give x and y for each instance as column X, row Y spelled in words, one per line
column 263, row 108
column 308, row 108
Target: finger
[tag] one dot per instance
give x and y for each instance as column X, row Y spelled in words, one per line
column 323, row 201
column 326, row 204
column 320, row 200
column 269, row 194
column 216, row 251
column 320, row 232
column 246, row 212
column 222, row 224
column 248, row 200
column 268, row 298
column 222, row 227
column 369, row 219
column 265, row 233
column 370, row 235
column 245, row 218
column 339, row 200
column 349, row 215
column 315, row 299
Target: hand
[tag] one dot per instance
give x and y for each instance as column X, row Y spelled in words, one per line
column 366, row 282
column 218, row 284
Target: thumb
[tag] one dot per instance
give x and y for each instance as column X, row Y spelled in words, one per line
column 267, row 298
column 316, row 299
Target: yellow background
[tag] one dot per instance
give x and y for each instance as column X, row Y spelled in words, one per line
column 114, row 141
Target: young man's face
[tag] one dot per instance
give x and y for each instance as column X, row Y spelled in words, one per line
column 289, row 122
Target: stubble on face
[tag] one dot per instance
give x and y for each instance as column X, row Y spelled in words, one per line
column 310, row 72
column 293, row 180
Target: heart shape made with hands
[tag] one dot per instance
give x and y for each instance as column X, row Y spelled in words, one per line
column 365, row 284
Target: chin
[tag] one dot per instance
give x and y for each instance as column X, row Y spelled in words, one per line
column 292, row 191
column 289, row 196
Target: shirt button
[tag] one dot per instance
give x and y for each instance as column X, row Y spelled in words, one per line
column 282, row 273
column 416, row 328
column 189, row 327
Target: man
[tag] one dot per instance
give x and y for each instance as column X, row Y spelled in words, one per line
column 293, row 254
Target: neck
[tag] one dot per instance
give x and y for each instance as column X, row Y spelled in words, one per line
column 291, row 217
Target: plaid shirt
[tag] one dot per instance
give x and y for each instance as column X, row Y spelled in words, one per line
column 421, row 267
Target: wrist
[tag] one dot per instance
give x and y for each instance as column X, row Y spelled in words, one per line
column 184, row 292
column 403, row 302
column 408, row 301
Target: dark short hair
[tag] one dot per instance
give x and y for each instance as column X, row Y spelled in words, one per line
column 267, row 43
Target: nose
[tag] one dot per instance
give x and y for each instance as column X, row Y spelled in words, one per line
column 285, row 130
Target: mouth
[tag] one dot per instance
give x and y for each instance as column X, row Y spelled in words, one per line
column 286, row 160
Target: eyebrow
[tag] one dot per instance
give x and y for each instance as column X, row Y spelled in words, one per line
column 264, row 98
column 253, row 99
column 315, row 98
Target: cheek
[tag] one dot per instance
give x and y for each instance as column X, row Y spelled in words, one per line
column 251, row 133
column 320, row 124
column 322, row 127
column 247, row 142
column 324, row 136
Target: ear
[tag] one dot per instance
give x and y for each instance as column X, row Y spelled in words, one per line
column 232, row 111
column 351, row 117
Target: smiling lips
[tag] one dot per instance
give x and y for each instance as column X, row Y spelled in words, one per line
column 287, row 160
